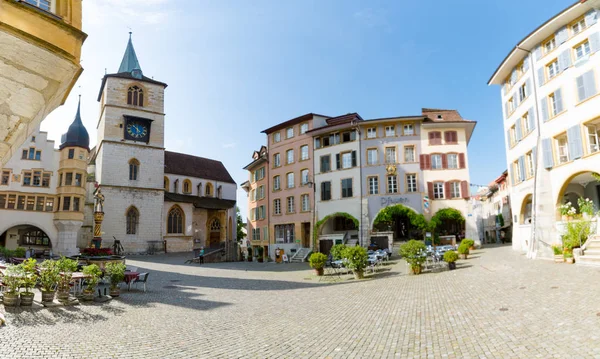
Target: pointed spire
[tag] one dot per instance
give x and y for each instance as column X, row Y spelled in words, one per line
column 76, row 135
column 130, row 61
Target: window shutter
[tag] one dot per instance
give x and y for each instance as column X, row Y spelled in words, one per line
column 534, row 155
column 589, row 83
column 544, row 107
column 444, row 161
column 590, row 18
column 353, row 158
column 464, row 189
column 447, row 136
column 337, row 161
column 531, row 119
column 422, row 162
column 508, row 139
column 515, row 100
column 594, row 42
column 461, row 161
column 537, row 52
column 512, row 175
column 580, row 88
column 518, row 131
column 447, row 190
column 558, row 99
column 522, row 168
column 430, row 190
column 431, row 136
column 561, row 35
column 528, row 87
column 541, row 78
column 526, row 63
column 427, row 162
column 547, row 151
column 564, row 60
column 574, row 142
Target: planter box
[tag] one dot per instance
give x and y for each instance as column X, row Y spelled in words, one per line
column 558, row 258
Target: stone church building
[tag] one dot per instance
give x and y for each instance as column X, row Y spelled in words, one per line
column 154, row 199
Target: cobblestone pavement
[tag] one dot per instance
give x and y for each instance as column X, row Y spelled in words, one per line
column 497, row 304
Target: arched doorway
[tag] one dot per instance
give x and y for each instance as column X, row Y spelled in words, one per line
column 26, row 236
column 335, row 228
column 214, row 238
column 526, row 210
column 400, row 219
column 448, row 222
column 582, row 185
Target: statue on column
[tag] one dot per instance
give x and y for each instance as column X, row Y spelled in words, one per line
column 98, row 217
column 98, row 200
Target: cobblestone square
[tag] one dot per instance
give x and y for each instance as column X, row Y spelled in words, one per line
column 497, row 304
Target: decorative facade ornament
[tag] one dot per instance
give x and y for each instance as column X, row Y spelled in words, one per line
column 391, row 169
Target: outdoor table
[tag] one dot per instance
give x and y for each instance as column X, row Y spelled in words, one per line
column 130, row 277
column 77, row 279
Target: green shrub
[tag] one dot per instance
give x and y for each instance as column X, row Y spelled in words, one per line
column 317, row 260
column 49, row 275
column 65, row 266
column 30, row 275
column 12, row 277
column 356, row 258
column 115, row 271
column 557, row 250
column 413, row 253
column 577, row 234
column 463, row 248
column 94, row 274
column 19, row 252
column 337, row 251
column 450, row 256
column 469, row 242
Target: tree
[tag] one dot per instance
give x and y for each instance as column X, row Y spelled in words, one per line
column 240, row 224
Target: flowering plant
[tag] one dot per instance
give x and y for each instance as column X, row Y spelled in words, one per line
column 567, row 209
column 586, row 206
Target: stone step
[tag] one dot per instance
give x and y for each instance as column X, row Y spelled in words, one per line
column 592, row 252
column 589, row 260
column 593, row 244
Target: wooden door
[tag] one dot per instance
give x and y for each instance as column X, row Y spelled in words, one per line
column 325, row 246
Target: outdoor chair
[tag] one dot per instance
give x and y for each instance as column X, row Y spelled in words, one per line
column 131, row 269
column 142, row 278
column 329, row 271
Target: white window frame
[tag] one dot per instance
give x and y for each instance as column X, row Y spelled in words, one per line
column 289, row 132
column 388, row 155
column 277, row 137
column 277, row 160
column 290, row 180
column 454, row 189
column 593, row 138
column 289, row 156
column 303, row 128
column 579, row 26
column 305, row 203
column 412, row 154
column 436, row 165
column 304, row 152
column 562, row 149
column 291, row 206
column 438, row 190
column 372, row 132
column 582, row 50
column 529, row 164
column 411, row 183
column 346, row 160
column 552, row 69
column 549, row 49
column 517, row 171
column 304, row 177
column 411, row 130
column 277, row 183
column 370, row 159
column 373, row 185
column 390, row 131
column 277, row 206
column 523, row 92
column 553, row 104
column 452, row 159
column 392, row 184
column 525, row 122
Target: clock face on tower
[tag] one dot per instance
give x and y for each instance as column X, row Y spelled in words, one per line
column 137, row 129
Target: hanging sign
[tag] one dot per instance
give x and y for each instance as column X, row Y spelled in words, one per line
column 426, row 204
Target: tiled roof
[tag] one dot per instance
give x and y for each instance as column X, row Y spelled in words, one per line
column 200, row 202
column 293, row 121
column 344, row 119
column 447, row 115
column 193, row 166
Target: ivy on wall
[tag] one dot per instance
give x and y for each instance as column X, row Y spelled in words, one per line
column 319, row 223
column 387, row 215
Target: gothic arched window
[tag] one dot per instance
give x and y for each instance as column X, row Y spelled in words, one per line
column 209, row 190
column 135, row 96
column 134, row 169
column 187, row 186
column 175, row 220
column 132, row 220
column 166, row 183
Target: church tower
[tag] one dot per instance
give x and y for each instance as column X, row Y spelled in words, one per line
column 71, row 191
column 129, row 155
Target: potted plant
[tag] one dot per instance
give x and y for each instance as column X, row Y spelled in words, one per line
column 469, row 242
column 249, row 254
column 66, row 267
column 116, row 274
column 28, row 281
column 93, row 274
column 317, row 262
column 565, row 210
column 49, row 277
column 356, row 260
column 463, row 250
column 569, row 257
column 260, row 254
column 586, row 207
column 414, row 253
column 451, row 257
column 337, row 251
column 558, row 253
column 12, row 281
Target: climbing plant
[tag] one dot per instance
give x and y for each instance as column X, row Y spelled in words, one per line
column 387, row 215
column 324, row 219
column 450, row 214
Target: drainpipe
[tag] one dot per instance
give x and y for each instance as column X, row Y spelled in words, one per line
column 531, row 250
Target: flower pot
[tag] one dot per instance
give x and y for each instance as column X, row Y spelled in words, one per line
column 48, row 296
column 260, row 259
column 63, row 296
column 569, row 260
column 416, row 269
column 569, row 218
column 319, row 271
column 26, row 299
column 564, row 217
column 464, row 256
column 472, row 248
column 88, row 295
column 11, row 299
column 358, row 274
column 452, row 265
column 559, row 258
column 115, row 292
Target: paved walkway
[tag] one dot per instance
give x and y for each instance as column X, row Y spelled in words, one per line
column 497, row 304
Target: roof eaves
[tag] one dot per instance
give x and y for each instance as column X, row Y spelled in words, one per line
column 291, row 122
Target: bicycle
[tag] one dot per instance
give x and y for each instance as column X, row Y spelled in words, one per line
column 117, row 247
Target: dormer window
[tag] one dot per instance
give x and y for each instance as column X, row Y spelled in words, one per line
column 135, row 96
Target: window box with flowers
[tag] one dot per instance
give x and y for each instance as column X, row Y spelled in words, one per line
column 567, row 211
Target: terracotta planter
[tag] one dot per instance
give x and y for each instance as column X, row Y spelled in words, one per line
column 62, row 296
column 472, row 248
column 11, row 299
column 358, row 274
column 48, row 296
column 88, row 295
column 319, row 271
column 416, row 269
column 558, row 258
column 115, row 292
column 26, row 299
column 452, row 265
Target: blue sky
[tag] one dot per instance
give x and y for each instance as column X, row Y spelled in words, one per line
column 235, row 68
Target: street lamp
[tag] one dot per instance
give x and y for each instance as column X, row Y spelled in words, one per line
column 313, row 185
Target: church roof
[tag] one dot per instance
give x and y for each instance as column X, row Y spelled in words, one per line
column 77, row 135
column 194, row 166
column 200, row 202
column 130, row 61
